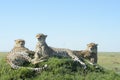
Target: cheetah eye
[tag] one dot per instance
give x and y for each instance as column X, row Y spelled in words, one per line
column 40, row 37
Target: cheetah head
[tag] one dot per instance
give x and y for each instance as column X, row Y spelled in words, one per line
column 19, row 43
column 92, row 47
column 41, row 38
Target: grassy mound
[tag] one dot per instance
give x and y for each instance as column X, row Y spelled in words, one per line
column 58, row 69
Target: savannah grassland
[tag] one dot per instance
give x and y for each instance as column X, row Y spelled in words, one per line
column 60, row 69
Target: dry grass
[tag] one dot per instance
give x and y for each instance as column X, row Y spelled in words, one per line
column 110, row 60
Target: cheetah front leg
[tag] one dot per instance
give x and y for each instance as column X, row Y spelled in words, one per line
column 75, row 58
column 39, row 59
column 82, row 63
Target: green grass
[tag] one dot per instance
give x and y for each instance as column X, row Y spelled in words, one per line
column 61, row 69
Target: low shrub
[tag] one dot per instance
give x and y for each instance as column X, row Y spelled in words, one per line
column 58, row 69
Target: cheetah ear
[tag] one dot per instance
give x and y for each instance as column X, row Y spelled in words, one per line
column 15, row 40
column 96, row 44
column 45, row 35
column 37, row 36
column 87, row 44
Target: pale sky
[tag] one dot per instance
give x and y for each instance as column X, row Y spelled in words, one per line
column 68, row 23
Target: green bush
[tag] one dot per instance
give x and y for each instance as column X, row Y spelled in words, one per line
column 58, row 69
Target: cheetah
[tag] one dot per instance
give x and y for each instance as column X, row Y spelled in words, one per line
column 19, row 56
